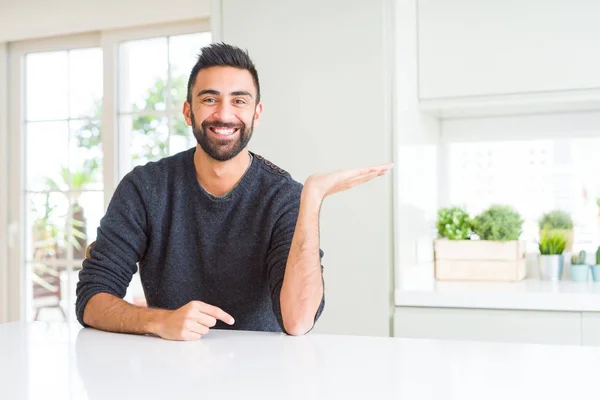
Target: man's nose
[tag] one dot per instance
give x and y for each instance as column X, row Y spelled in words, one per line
column 224, row 112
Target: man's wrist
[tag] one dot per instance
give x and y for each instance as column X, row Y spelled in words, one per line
column 311, row 196
column 154, row 321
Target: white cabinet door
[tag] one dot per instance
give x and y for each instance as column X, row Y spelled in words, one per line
column 547, row 327
column 590, row 328
column 491, row 47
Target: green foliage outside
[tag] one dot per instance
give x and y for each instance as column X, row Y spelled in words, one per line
column 46, row 232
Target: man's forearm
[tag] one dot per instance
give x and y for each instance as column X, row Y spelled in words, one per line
column 110, row 313
column 302, row 289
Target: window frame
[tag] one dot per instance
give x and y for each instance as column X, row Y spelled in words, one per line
column 3, row 184
column 111, row 41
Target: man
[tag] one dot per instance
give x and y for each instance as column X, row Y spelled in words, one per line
column 223, row 237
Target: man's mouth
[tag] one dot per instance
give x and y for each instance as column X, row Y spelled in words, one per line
column 223, row 131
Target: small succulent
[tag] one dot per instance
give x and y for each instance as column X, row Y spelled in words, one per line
column 453, row 223
column 578, row 259
column 556, row 220
column 552, row 243
column 498, row 222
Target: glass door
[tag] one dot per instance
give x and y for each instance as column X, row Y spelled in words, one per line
column 59, row 201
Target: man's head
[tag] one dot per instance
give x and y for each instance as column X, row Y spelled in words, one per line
column 223, row 100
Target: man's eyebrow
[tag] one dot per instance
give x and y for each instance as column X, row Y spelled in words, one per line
column 217, row 93
column 241, row 93
column 208, row 91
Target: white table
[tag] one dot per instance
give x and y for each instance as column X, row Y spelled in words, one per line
column 57, row 361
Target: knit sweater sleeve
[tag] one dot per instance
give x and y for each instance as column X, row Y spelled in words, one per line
column 121, row 242
column 281, row 242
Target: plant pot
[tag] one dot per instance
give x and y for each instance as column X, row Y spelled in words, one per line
column 480, row 260
column 580, row 273
column 595, row 272
column 551, row 267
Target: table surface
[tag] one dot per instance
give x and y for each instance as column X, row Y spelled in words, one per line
column 60, row 361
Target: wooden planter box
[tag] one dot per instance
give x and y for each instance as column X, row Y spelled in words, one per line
column 480, row 260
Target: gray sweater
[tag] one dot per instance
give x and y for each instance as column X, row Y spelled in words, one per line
column 229, row 252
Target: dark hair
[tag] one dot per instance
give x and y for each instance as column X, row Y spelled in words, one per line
column 222, row 55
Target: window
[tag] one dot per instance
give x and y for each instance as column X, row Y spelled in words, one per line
column 152, row 90
column 72, row 142
column 534, row 176
column 63, row 173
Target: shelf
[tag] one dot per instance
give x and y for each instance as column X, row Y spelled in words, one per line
column 514, row 104
column 421, row 290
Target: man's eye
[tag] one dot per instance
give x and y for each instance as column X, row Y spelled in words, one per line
column 240, row 101
column 209, row 100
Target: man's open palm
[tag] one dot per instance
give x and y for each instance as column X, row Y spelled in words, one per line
column 338, row 181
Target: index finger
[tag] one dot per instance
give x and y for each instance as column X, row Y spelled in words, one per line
column 214, row 312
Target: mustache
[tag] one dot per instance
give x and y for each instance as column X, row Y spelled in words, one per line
column 221, row 124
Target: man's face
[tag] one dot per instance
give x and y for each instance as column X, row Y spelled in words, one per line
column 223, row 111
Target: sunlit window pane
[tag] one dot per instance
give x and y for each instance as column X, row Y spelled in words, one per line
column 47, row 88
column 85, row 83
column 143, row 75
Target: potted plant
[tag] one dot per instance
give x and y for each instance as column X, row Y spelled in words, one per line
column 498, row 255
column 453, row 223
column 560, row 222
column 499, row 223
column 579, row 269
column 596, row 267
column 551, row 245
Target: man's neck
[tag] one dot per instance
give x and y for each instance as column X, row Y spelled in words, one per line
column 220, row 177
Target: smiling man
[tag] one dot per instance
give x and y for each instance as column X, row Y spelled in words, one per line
column 223, row 237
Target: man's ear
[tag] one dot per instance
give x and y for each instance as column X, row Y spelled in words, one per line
column 187, row 109
column 258, row 112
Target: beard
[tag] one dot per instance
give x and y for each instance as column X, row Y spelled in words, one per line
column 226, row 148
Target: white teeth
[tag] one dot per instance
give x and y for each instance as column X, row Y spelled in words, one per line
column 223, row 131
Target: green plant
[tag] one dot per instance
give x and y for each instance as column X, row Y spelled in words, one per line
column 552, row 243
column 578, row 259
column 498, row 222
column 44, row 230
column 453, row 223
column 76, row 180
column 556, row 220
column 598, row 256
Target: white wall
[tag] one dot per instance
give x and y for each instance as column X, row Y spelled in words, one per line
column 326, row 93
column 3, row 183
column 27, row 19
column 490, row 47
